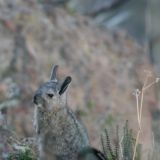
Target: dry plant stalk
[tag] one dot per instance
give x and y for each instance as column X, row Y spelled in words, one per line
column 139, row 97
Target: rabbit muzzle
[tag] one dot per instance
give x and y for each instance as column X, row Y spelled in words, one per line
column 38, row 99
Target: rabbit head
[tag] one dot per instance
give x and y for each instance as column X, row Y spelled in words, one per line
column 51, row 95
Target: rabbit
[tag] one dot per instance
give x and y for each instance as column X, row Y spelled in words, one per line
column 60, row 134
column 91, row 153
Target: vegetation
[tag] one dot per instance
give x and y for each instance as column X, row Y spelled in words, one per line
column 22, row 155
column 128, row 147
column 123, row 148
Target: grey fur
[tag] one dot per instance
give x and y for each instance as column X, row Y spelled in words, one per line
column 60, row 135
column 53, row 76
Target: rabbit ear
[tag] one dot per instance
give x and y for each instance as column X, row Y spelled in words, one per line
column 53, row 76
column 65, row 84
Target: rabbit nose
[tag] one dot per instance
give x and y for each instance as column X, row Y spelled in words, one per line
column 37, row 99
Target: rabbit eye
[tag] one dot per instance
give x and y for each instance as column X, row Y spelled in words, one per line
column 50, row 95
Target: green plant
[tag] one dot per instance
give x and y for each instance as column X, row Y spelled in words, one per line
column 109, row 120
column 123, row 148
column 90, row 105
column 22, row 155
column 109, row 152
column 128, row 144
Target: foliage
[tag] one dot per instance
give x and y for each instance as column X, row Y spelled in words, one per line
column 109, row 152
column 128, row 144
column 123, row 149
column 22, row 155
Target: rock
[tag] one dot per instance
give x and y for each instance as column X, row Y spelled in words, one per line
column 93, row 7
column 11, row 144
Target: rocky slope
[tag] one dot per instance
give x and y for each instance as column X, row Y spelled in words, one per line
column 106, row 68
